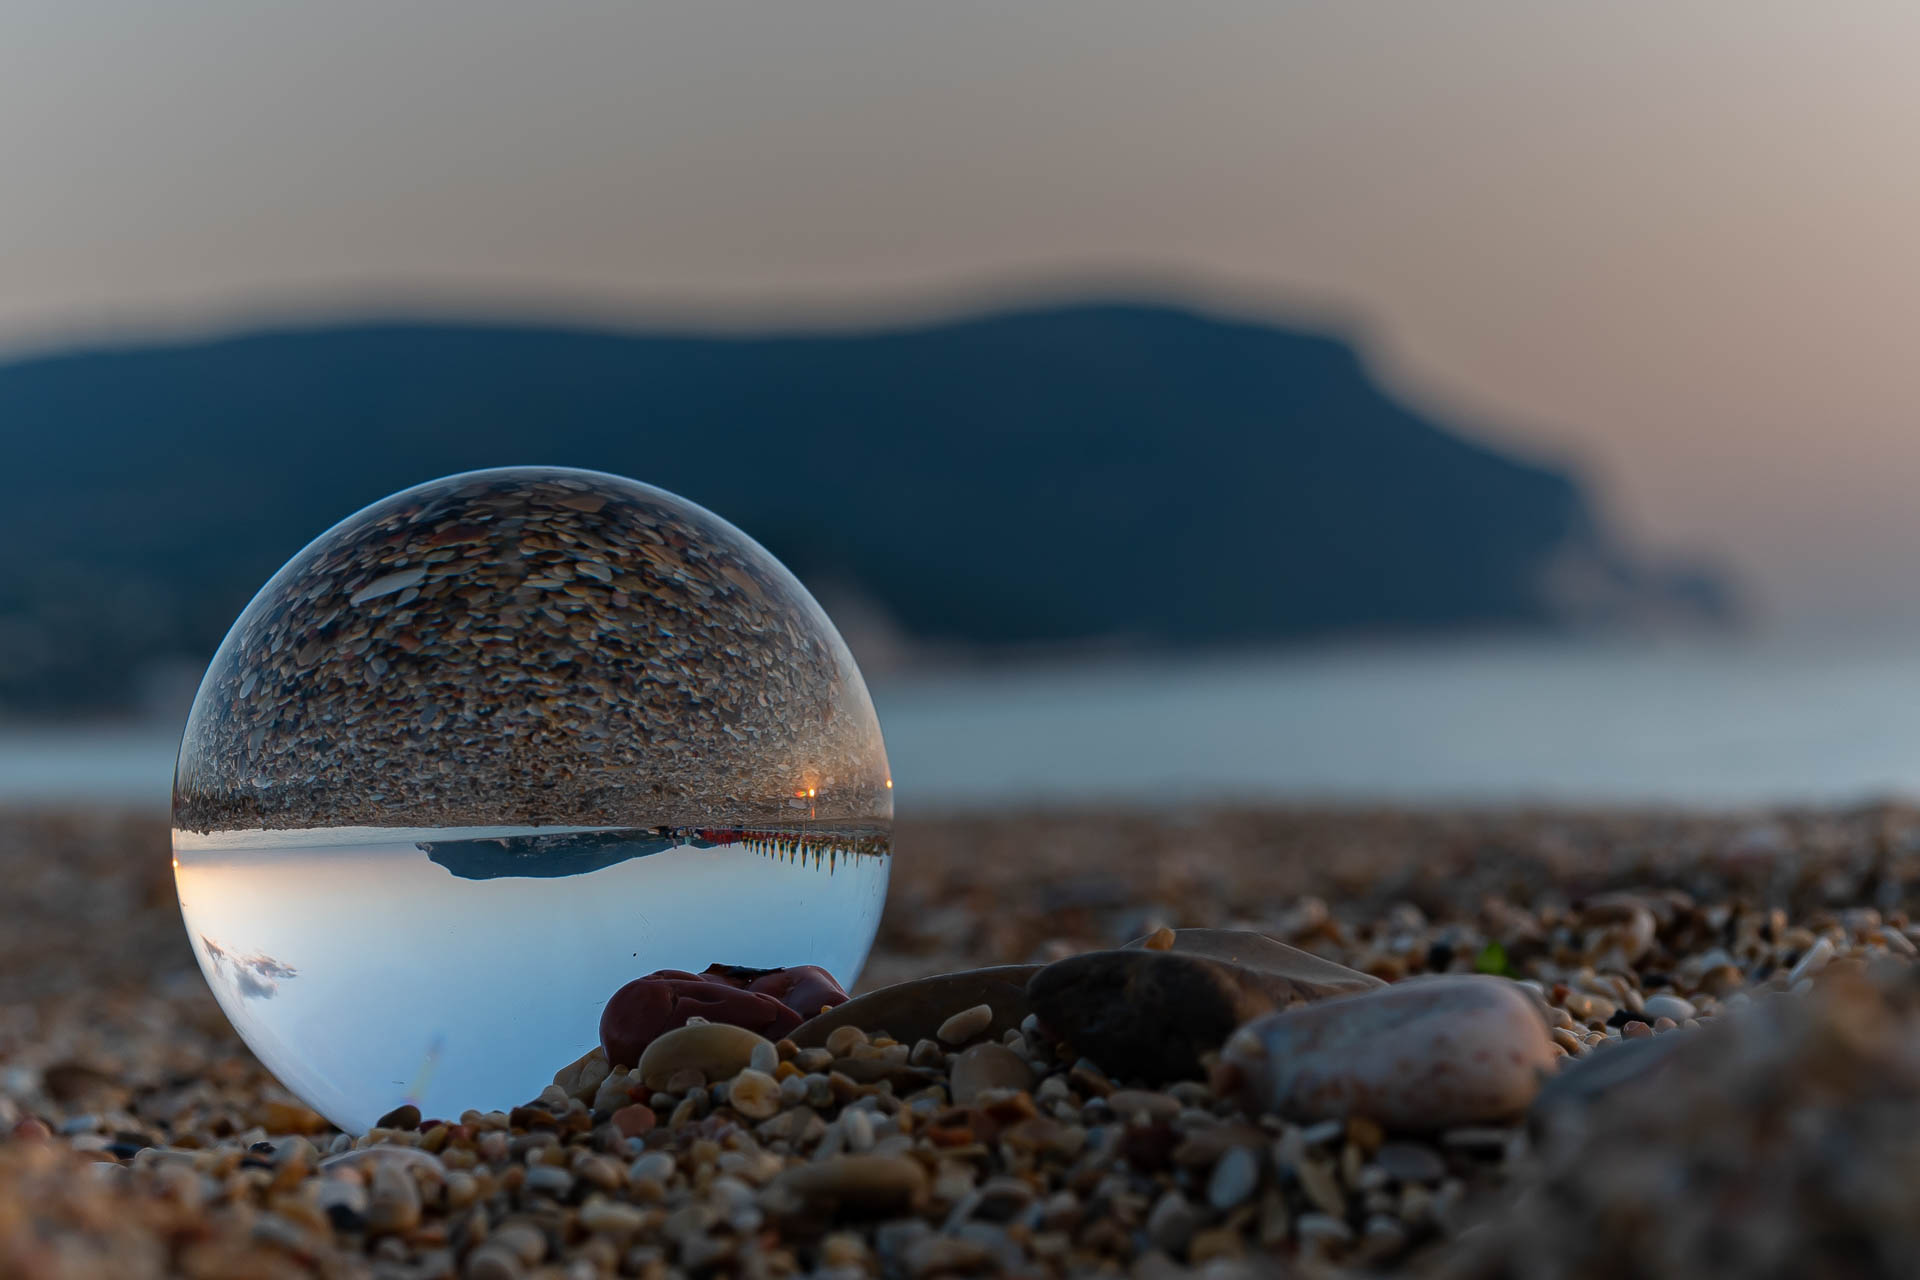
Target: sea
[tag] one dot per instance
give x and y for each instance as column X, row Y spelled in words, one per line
column 1692, row 724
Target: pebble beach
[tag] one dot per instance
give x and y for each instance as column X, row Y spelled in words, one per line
column 1215, row 1042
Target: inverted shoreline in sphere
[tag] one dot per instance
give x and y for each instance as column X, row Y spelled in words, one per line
column 533, row 646
column 492, row 747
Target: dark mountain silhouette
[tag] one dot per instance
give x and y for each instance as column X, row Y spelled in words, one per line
column 552, row 856
column 1114, row 473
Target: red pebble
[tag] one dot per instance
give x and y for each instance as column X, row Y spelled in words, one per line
column 647, row 1007
column 31, row 1129
column 635, row 1121
column 807, row 989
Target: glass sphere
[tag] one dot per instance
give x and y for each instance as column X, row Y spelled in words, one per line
column 493, row 747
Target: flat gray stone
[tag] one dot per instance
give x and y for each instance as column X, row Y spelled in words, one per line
column 911, row 1011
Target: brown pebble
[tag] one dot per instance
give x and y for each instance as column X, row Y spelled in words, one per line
column 394, row 1207
column 291, row 1117
column 31, row 1129
column 404, row 1116
column 493, row 1261
column 968, row 1024
column 859, row 1183
column 754, row 1094
column 635, row 1121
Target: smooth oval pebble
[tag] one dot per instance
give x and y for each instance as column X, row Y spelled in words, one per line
column 1667, row 1006
column 988, row 1066
column 1148, row 1015
column 635, row 1121
column 394, row 1207
column 966, row 1025
column 868, row 1184
column 1235, row 1178
column 491, row 1261
column 718, row 1050
column 1428, row 1053
column 910, row 1011
column 754, row 1094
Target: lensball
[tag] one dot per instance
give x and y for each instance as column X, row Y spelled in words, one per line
column 494, row 746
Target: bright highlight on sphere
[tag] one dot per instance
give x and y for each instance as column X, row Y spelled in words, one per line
column 492, row 747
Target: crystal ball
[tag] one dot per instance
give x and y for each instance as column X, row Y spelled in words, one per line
column 491, row 748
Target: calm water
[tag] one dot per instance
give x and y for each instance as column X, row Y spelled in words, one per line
column 1701, row 724
column 477, row 966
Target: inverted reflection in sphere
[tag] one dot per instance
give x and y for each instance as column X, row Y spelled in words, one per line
column 495, row 745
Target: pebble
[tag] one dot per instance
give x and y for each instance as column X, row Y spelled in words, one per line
column 1146, row 1014
column 394, row 1206
column 655, row 1166
column 1818, row 956
column 493, row 1261
column 1235, row 1178
column 648, row 1009
column 968, row 1024
column 1288, row 973
column 860, row 1183
column 717, row 1050
column 1588, row 1007
column 988, row 1066
column 1429, row 1053
column 912, row 1011
column 754, row 1094
column 1667, row 1006
column 842, row 1041
column 582, row 1077
column 1172, row 1222
column 525, row 1241
column 610, row 1215
column 1322, row 1187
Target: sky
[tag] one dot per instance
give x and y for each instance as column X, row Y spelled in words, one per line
column 1676, row 245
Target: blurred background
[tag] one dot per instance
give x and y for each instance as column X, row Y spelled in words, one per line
column 1492, row 402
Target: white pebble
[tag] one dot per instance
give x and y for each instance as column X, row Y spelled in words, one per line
column 1811, row 963
column 966, row 1024
column 1235, row 1178
column 656, row 1166
column 1668, row 1006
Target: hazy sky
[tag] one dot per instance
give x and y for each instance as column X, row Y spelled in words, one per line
column 1676, row 242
